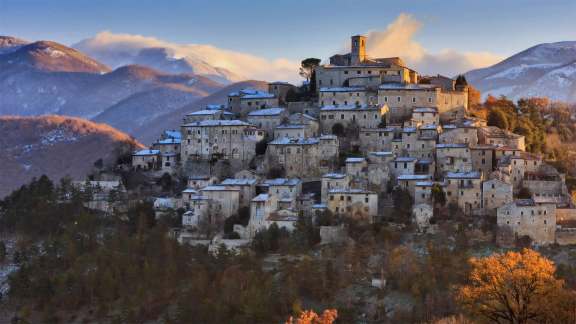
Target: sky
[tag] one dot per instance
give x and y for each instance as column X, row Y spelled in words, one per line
column 434, row 35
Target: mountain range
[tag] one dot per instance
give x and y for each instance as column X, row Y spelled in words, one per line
column 544, row 70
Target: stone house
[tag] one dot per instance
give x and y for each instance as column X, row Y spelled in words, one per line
column 423, row 191
column 303, row 157
column 228, row 139
column 524, row 217
column 287, row 190
column 378, row 139
column 361, row 116
column 497, row 136
column 304, row 119
column 267, row 119
column 247, row 188
column 356, row 203
column 244, row 101
column 403, row 165
column 280, row 89
column 198, row 211
column 483, row 159
column 201, row 181
column 496, row 193
column 208, row 114
column 333, row 181
column 346, row 96
column 511, row 168
column 453, row 158
column 408, row 182
column 464, row 134
column 378, row 174
column 402, row 98
column 225, row 201
column 465, row 190
column 356, row 167
column 261, row 207
column 146, row 159
column 425, row 116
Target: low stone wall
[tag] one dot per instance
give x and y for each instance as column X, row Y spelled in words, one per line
column 566, row 236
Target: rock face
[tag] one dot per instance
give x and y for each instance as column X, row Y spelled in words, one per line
column 543, row 70
column 56, row 146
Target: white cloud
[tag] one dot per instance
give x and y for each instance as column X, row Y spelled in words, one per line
column 398, row 40
column 117, row 49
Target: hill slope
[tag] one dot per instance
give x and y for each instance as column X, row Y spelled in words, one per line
column 543, row 70
column 151, row 130
column 54, row 145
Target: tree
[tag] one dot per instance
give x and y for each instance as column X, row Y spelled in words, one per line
column 498, row 118
column 524, row 193
column 307, row 67
column 515, row 287
column 310, row 317
column 2, row 251
column 338, row 129
column 438, row 195
column 261, row 147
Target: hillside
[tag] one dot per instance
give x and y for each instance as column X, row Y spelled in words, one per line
column 49, row 78
column 547, row 70
column 54, row 145
column 151, row 130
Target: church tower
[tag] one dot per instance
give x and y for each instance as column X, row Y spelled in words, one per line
column 358, row 53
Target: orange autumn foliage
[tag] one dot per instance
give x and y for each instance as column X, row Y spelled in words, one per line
column 310, row 317
column 514, row 287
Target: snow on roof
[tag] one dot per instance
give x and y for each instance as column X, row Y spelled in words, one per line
column 218, row 188
column 328, row 137
column 294, row 141
column 429, row 126
column 189, row 190
column 281, row 182
column 348, row 107
column 266, row 112
column 406, row 86
column 405, row 159
column 414, row 177
column 261, row 197
column 424, row 183
column 319, row 206
column 146, row 152
column 168, row 141
column 238, row 182
column 172, row 134
column 281, row 82
column 355, row 160
column 409, row 130
column 425, row 110
column 291, row 126
column 463, row 175
column 302, row 115
column 451, row 145
column 252, row 94
column 350, row 191
column 381, row 153
column 209, row 112
column 214, row 107
column 342, row 89
column 218, row 122
column 334, row 175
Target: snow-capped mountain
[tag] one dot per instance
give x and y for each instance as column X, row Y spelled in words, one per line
column 56, row 146
column 159, row 58
column 49, row 78
column 543, row 70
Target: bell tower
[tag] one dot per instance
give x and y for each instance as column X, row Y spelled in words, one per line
column 358, row 53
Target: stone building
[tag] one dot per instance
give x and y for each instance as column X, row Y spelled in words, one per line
column 198, row 211
column 408, row 182
column 331, row 181
column 244, row 101
column 511, row 168
column 523, row 217
column 346, row 96
column 453, row 158
column 228, row 139
column 498, row 136
column 267, row 119
column 359, row 116
column 303, row 157
column 146, row 159
column 465, row 190
column 261, row 207
column 425, row 116
column 463, row 134
column 403, row 98
column 207, row 114
column 225, row 201
column 403, row 165
column 246, row 187
column 495, row 193
column 378, row 139
column 356, row 203
column 483, row 159
column 280, row 89
column 287, row 190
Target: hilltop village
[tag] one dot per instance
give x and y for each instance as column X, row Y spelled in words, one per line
column 374, row 135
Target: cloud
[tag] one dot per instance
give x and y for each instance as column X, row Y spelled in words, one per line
column 118, row 49
column 398, row 40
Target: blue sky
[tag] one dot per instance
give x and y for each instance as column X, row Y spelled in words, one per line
column 297, row 28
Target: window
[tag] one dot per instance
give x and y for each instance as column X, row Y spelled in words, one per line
column 398, row 99
column 413, row 99
column 385, row 99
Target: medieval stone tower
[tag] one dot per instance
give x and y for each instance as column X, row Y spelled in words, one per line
column 358, row 53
